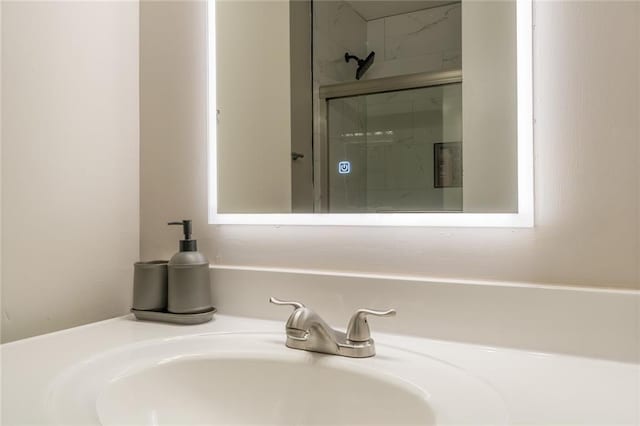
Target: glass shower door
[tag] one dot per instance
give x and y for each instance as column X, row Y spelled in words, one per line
column 398, row 151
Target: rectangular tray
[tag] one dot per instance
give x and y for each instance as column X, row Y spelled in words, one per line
column 186, row 319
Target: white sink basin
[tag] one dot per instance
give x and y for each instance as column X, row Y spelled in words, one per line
column 256, row 391
column 254, row 379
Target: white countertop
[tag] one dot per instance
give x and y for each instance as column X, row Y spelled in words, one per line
column 538, row 388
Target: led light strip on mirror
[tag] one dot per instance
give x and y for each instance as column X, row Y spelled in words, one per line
column 523, row 218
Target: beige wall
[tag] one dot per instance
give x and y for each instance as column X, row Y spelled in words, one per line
column 254, row 103
column 70, row 163
column 586, row 173
column 1, row 186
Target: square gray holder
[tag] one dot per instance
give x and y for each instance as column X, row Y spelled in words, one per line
column 150, row 290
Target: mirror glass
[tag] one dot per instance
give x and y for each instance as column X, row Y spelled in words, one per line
column 366, row 106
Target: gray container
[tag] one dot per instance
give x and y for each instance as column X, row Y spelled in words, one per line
column 150, row 285
column 189, row 284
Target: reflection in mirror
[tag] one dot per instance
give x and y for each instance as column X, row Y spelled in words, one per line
column 383, row 148
column 355, row 106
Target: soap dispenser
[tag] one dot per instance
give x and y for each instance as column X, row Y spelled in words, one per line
column 189, row 284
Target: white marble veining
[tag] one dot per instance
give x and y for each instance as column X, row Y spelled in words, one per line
column 423, row 32
column 426, row 40
column 337, row 29
column 374, row 9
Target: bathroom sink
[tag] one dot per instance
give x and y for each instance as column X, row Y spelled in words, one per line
column 256, row 391
column 252, row 378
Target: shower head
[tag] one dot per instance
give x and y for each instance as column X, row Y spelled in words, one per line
column 363, row 64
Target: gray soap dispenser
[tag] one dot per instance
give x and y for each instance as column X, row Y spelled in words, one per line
column 189, row 285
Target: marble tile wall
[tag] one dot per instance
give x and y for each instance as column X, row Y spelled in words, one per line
column 337, row 29
column 400, row 159
column 426, row 40
column 388, row 138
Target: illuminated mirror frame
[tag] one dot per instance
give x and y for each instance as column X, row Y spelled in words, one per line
column 522, row 219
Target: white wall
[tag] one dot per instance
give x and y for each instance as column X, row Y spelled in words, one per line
column 1, row 186
column 254, row 174
column 70, row 163
column 587, row 210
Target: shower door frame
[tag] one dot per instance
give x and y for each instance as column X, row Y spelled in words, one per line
column 321, row 166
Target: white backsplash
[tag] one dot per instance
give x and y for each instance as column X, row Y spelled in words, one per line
column 580, row 321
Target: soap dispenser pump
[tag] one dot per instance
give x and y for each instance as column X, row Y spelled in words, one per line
column 189, row 284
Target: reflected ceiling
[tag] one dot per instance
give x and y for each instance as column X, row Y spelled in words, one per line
column 374, row 9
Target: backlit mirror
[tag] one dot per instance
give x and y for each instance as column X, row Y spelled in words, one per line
column 370, row 112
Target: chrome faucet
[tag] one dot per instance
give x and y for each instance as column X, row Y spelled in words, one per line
column 307, row 331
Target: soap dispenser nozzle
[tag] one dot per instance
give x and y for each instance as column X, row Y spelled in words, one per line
column 187, row 244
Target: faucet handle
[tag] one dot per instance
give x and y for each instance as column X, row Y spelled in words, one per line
column 358, row 328
column 296, row 305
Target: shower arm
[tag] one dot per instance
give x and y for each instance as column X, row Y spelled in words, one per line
column 348, row 57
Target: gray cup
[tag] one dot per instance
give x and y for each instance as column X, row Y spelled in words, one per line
column 150, row 285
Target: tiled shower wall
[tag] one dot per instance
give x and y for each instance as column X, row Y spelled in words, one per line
column 426, row 40
column 388, row 138
column 337, row 29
